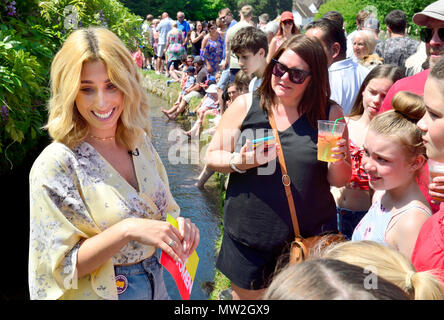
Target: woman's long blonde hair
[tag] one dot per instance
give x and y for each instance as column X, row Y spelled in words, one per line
column 388, row 264
column 65, row 124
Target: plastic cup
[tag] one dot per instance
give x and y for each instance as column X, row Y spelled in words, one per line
column 435, row 169
column 329, row 134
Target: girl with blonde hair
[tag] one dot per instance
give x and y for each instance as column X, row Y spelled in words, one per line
column 393, row 156
column 390, row 265
column 330, row 279
column 99, row 194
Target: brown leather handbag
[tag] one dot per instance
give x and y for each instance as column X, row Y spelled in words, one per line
column 300, row 247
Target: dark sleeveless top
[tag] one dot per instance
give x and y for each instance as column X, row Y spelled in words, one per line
column 256, row 211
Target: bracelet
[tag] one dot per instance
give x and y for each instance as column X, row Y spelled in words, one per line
column 234, row 156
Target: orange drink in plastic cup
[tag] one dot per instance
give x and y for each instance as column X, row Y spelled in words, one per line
column 436, row 169
column 329, row 134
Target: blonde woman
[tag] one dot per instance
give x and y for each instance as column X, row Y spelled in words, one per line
column 390, row 265
column 99, row 193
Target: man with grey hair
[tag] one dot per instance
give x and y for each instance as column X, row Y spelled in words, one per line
column 263, row 20
column 183, row 26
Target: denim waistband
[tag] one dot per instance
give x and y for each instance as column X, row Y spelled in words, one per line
column 343, row 211
column 136, row 268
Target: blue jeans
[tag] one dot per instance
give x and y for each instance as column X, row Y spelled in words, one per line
column 226, row 77
column 141, row 281
column 348, row 220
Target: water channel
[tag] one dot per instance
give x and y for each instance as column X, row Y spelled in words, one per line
column 200, row 205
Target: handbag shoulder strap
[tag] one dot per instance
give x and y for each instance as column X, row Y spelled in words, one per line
column 285, row 177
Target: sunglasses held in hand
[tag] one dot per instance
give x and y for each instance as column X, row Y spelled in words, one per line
column 296, row 76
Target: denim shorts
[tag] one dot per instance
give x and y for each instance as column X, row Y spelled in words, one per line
column 141, row 281
column 348, row 220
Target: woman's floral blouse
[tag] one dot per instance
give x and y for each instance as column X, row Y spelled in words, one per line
column 76, row 194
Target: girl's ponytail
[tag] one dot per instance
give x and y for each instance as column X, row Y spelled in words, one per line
column 425, row 285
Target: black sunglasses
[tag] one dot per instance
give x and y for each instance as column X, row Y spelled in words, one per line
column 426, row 34
column 287, row 22
column 296, row 76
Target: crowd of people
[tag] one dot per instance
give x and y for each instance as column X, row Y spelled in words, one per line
column 100, row 194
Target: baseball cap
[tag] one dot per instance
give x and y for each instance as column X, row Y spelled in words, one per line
column 198, row 59
column 212, row 89
column 286, row 15
column 371, row 23
column 191, row 69
column 434, row 10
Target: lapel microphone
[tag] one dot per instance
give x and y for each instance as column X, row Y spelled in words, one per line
column 134, row 153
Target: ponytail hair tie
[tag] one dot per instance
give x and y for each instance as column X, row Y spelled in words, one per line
column 408, row 279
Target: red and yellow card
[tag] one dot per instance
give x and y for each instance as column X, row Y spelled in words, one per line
column 183, row 274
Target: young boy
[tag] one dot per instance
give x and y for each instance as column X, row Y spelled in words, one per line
column 189, row 81
column 250, row 45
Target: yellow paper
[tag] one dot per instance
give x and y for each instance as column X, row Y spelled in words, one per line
column 193, row 259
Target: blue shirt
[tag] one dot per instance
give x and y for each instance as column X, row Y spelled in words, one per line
column 183, row 26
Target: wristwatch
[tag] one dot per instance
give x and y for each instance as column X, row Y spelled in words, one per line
column 235, row 158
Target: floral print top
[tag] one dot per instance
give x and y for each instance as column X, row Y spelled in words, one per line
column 76, row 194
column 214, row 53
column 175, row 49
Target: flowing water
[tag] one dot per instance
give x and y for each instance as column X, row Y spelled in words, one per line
column 200, row 205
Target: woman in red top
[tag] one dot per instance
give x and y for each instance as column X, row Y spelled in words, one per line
column 428, row 253
column 354, row 200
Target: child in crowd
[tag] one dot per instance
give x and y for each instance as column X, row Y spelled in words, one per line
column 190, row 80
column 388, row 264
column 179, row 74
column 428, row 253
column 393, row 155
column 208, row 105
column 328, row 279
column 354, row 200
column 138, row 56
column 250, row 46
column 230, row 94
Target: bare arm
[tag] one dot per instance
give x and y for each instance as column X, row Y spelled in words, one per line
column 98, row 249
column 221, row 147
column 405, row 232
column 271, row 49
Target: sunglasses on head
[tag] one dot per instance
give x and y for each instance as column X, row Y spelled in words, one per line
column 426, row 34
column 296, row 76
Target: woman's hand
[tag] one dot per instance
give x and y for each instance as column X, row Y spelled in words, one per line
column 340, row 151
column 257, row 157
column 160, row 234
column 436, row 189
column 190, row 235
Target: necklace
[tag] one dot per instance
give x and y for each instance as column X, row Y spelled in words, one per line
column 102, row 139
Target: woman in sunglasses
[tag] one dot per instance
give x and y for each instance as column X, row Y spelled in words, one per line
column 257, row 221
column 287, row 28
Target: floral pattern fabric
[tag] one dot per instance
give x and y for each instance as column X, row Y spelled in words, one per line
column 76, row 194
column 214, row 53
column 175, row 49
